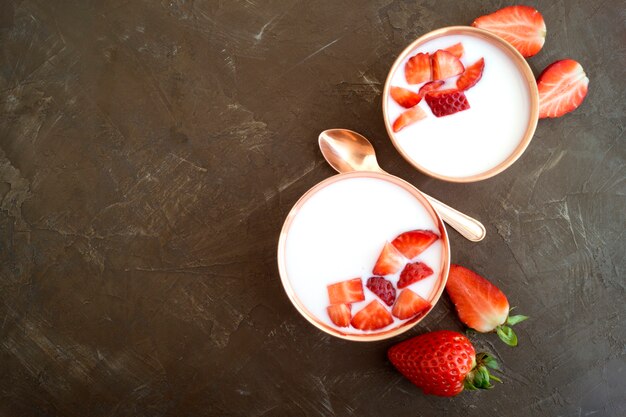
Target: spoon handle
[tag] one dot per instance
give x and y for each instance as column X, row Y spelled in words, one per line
column 469, row 227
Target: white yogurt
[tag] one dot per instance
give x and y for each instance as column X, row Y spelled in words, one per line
column 476, row 140
column 338, row 234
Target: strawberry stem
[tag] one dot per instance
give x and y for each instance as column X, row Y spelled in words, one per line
column 480, row 377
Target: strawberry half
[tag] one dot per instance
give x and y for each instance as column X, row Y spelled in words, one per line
column 431, row 86
column 405, row 98
column 562, row 88
column 409, row 117
column 414, row 272
column 372, row 317
column 389, row 262
column 383, row 289
column 417, row 69
column 339, row 314
column 471, row 76
column 443, row 363
column 456, row 50
column 414, row 242
column 446, row 102
column 346, row 292
column 408, row 305
column 480, row 304
column 445, row 65
column 521, row 26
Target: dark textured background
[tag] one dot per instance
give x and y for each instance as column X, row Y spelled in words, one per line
column 150, row 151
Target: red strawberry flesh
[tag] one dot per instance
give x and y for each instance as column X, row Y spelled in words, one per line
column 373, row 316
column 405, row 98
column 383, row 289
column 445, row 65
column 431, row 86
column 479, row 303
column 446, row 102
column 346, row 292
column 414, row 272
column 456, row 50
column 409, row 304
column 414, row 242
column 562, row 88
column 339, row 314
column 389, row 262
column 410, row 116
column 417, row 69
column 471, row 76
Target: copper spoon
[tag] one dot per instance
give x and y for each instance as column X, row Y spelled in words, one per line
column 348, row 151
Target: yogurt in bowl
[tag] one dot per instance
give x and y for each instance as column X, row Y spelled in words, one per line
column 338, row 241
column 484, row 139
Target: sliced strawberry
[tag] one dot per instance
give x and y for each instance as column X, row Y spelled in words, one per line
column 405, row 98
column 431, row 86
column 471, row 76
column 383, row 289
column 389, row 262
column 480, row 304
column 562, row 88
column 339, row 314
column 372, row 317
column 414, row 242
column 410, row 116
column 521, row 26
column 417, row 69
column 414, row 272
column 346, row 292
column 408, row 305
column 446, row 102
column 456, row 50
column 445, row 65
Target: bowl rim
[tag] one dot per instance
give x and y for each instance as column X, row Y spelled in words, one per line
column 522, row 65
column 364, row 337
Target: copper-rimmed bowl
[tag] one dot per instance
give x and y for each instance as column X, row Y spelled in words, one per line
column 348, row 334
column 525, row 72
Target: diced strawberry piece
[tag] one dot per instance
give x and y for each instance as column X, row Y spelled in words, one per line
column 414, row 242
column 339, row 314
column 417, row 69
column 414, row 272
column 389, row 262
column 521, row 26
column 408, row 117
column 562, row 88
column 408, row 305
column 373, row 316
column 480, row 304
column 471, row 76
column 405, row 98
column 456, row 50
column 446, row 102
column 346, row 292
column 431, row 86
column 445, row 65
column 383, row 289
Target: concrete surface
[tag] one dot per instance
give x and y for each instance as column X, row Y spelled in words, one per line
column 150, row 150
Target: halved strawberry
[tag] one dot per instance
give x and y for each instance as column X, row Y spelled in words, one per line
column 446, row 102
column 405, row 98
column 372, row 317
column 471, row 76
column 521, row 26
column 562, row 88
column 383, row 289
column 346, row 292
column 480, row 304
column 389, row 262
column 414, row 272
column 410, row 116
column 408, row 305
column 431, row 86
column 417, row 69
column 445, row 65
column 414, row 242
column 456, row 50
column 339, row 314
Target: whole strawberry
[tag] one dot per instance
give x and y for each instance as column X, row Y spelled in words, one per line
column 443, row 363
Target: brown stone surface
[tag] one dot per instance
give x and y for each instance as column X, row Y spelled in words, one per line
column 150, row 150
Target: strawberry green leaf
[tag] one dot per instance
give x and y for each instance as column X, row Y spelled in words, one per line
column 507, row 335
column 487, row 360
column 511, row 320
